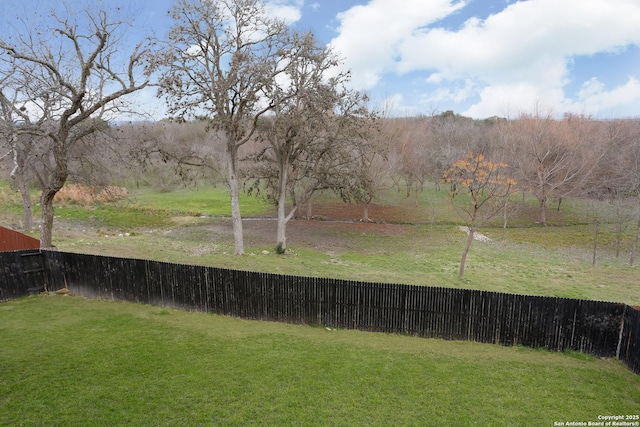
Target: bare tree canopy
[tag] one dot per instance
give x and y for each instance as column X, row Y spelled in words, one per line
column 553, row 158
column 312, row 135
column 479, row 191
column 62, row 82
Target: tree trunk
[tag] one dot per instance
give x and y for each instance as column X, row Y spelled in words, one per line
column 234, row 193
column 505, row 218
column 542, row 209
column 595, row 242
column 365, row 212
column 542, row 199
column 309, row 209
column 46, row 229
column 281, row 229
column 281, row 236
column 472, row 230
column 57, row 180
column 409, row 184
column 634, row 249
column 27, row 210
column 618, row 239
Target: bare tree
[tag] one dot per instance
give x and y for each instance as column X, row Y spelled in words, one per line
column 552, row 159
column 222, row 57
column 173, row 153
column 370, row 170
column 450, row 137
column 624, row 169
column 480, row 189
column 312, row 133
column 72, row 77
column 410, row 154
column 612, row 181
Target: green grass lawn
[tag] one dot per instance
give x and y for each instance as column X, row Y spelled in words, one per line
column 143, row 208
column 199, row 201
column 69, row 361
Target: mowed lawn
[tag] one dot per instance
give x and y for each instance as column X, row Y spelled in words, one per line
column 69, row 361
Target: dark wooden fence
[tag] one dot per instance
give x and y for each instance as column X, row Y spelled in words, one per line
column 600, row 328
column 22, row 273
column 629, row 344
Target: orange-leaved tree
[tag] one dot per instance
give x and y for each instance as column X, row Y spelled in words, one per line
column 479, row 191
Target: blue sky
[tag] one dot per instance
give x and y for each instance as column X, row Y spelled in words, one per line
column 487, row 57
column 479, row 58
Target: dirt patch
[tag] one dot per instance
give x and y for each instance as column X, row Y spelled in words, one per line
column 332, row 226
column 353, row 212
column 321, row 235
column 476, row 236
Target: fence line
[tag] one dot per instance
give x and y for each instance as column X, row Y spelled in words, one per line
column 600, row 328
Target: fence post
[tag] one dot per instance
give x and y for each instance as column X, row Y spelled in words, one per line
column 624, row 313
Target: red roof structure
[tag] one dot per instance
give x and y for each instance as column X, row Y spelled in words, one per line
column 11, row 240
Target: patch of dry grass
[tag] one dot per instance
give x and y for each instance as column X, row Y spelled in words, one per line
column 83, row 195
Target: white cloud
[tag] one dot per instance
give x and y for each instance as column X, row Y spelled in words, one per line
column 526, row 41
column 594, row 97
column 396, row 105
column 459, row 91
column 515, row 57
column 370, row 35
column 286, row 10
column 435, row 78
column 511, row 99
